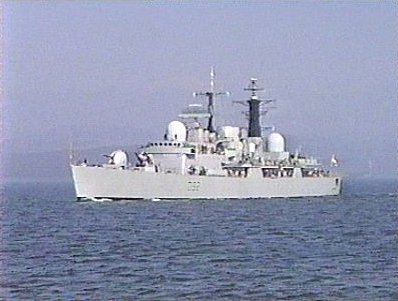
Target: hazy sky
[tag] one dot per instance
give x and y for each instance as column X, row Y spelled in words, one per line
column 115, row 73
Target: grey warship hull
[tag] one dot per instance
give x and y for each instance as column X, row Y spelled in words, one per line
column 94, row 182
column 194, row 161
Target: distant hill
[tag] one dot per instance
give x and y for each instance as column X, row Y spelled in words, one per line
column 52, row 166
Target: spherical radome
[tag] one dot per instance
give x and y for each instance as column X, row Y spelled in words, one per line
column 176, row 131
column 276, row 143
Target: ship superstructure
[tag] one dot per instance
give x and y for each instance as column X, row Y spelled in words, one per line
column 208, row 162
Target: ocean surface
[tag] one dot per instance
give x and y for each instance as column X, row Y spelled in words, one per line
column 331, row 248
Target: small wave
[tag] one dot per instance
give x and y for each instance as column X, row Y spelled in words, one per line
column 100, row 200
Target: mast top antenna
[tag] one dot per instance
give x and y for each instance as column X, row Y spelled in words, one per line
column 253, row 88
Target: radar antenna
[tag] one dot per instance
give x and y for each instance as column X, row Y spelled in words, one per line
column 211, row 96
column 254, row 104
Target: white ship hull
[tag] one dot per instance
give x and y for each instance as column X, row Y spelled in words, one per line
column 99, row 182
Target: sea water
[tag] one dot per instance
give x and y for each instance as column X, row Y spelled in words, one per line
column 328, row 248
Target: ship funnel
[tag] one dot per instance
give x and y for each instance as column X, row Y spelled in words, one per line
column 254, row 109
column 254, row 104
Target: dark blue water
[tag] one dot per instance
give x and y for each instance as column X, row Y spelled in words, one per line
column 333, row 248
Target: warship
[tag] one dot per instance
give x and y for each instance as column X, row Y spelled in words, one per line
column 197, row 159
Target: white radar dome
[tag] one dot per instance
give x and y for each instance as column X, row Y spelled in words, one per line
column 119, row 158
column 276, row 143
column 176, row 131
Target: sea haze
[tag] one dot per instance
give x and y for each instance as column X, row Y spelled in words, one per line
column 331, row 248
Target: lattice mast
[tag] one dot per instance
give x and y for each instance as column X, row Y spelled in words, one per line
column 211, row 98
